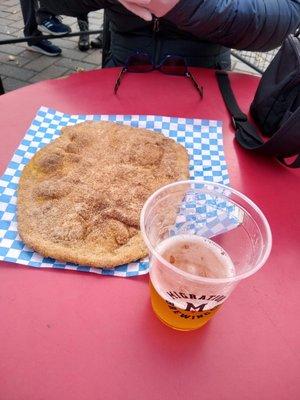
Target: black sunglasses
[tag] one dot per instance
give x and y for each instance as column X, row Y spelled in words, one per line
column 171, row 65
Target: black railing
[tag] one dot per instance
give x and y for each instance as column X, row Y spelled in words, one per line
column 93, row 32
column 250, row 64
column 26, row 38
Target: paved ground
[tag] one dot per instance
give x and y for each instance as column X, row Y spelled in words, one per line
column 20, row 67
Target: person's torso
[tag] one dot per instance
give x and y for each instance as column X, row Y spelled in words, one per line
column 159, row 38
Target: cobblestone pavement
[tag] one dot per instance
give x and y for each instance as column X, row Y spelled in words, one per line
column 20, row 67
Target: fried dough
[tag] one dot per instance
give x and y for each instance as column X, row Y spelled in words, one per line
column 80, row 197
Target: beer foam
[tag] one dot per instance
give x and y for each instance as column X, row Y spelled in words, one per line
column 197, row 255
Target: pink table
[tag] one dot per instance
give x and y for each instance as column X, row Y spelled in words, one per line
column 76, row 336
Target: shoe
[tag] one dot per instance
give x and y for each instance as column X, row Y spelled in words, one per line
column 97, row 43
column 83, row 42
column 54, row 26
column 45, row 47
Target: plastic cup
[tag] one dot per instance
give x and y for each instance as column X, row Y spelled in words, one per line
column 203, row 239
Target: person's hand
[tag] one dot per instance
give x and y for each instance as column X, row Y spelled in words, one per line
column 138, row 7
column 144, row 8
column 161, row 7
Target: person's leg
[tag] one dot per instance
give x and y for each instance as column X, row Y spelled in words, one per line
column 42, row 46
column 97, row 42
column 47, row 20
column 83, row 23
column 73, row 8
column 42, row 12
column 28, row 8
column 107, row 59
column 83, row 42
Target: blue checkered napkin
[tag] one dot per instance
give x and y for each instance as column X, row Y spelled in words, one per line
column 202, row 139
column 206, row 214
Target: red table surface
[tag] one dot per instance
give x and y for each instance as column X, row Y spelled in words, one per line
column 70, row 335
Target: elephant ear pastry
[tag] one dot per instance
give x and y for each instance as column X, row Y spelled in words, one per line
column 80, row 197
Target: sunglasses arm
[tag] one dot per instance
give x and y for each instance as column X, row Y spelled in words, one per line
column 195, row 83
column 119, row 78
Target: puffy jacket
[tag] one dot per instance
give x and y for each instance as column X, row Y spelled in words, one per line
column 202, row 31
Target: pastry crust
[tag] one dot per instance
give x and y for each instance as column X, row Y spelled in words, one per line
column 80, row 197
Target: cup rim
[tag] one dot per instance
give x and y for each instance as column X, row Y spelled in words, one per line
column 187, row 275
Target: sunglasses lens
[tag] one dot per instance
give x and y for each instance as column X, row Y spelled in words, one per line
column 173, row 65
column 139, row 63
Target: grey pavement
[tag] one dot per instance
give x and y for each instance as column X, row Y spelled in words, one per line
column 20, row 67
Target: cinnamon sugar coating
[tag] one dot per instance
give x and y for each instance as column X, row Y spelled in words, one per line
column 80, row 197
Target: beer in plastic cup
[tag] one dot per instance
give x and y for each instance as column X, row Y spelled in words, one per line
column 203, row 238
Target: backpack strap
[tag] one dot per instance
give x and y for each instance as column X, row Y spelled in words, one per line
column 284, row 143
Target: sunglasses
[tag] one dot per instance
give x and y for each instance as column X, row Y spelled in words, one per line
column 171, row 65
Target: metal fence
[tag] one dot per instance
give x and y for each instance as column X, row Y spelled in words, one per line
column 258, row 61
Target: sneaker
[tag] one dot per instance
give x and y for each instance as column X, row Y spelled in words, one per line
column 54, row 26
column 97, row 43
column 45, row 47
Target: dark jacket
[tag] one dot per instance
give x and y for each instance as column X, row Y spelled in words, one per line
column 202, row 31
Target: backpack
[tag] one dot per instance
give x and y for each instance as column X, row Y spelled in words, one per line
column 275, row 108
